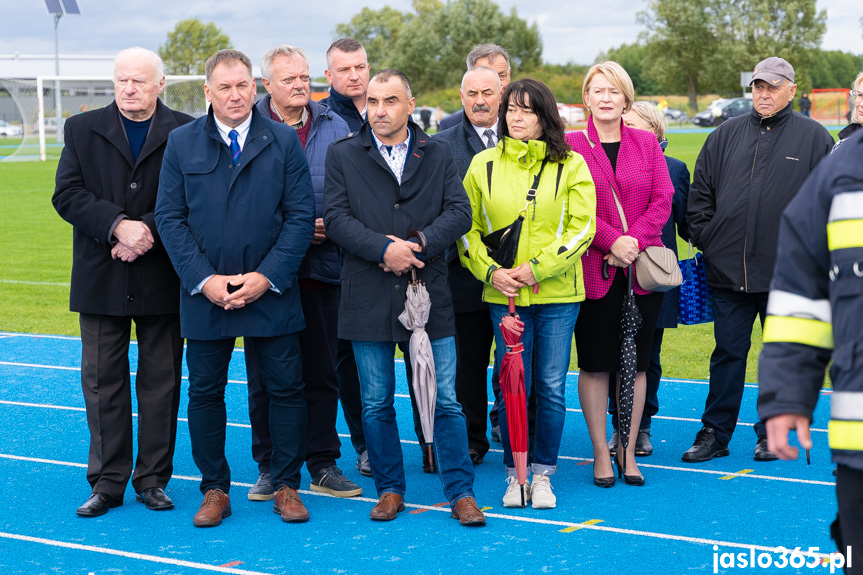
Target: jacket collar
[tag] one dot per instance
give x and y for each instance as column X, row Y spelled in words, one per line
column 598, row 152
column 260, row 136
column 110, row 126
column 776, row 119
column 419, row 141
column 524, row 153
column 342, row 102
column 474, row 141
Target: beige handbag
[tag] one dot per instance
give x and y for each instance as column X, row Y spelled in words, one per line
column 656, row 266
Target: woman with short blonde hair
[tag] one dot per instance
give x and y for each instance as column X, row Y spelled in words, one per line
column 857, row 111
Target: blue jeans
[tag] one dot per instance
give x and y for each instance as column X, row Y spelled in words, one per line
column 377, row 382
column 547, row 341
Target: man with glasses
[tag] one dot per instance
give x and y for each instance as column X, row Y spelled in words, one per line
column 749, row 169
column 285, row 71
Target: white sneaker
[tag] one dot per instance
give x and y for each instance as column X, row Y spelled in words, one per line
column 543, row 497
column 512, row 497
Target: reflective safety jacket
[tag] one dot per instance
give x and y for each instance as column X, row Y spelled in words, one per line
column 815, row 308
column 558, row 226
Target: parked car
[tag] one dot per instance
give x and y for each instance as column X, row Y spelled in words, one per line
column 721, row 110
column 675, row 115
column 7, row 129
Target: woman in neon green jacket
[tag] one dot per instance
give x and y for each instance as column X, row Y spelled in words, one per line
column 545, row 280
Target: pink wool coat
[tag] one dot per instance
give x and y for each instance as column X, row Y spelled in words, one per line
column 644, row 189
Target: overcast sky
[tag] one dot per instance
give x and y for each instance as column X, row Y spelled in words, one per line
column 572, row 30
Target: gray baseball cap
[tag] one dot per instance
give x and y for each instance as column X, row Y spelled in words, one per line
column 774, row 71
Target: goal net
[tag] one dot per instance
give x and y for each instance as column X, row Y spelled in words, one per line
column 831, row 105
column 42, row 106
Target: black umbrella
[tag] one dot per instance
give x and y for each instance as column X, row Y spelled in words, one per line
column 630, row 322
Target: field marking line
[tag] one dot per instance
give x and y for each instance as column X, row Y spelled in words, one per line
column 740, row 473
column 535, row 520
column 129, row 554
column 64, row 368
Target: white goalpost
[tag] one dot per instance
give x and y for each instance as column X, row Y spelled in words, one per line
column 42, row 120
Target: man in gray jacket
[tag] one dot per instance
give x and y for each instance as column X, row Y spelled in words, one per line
column 747, row 172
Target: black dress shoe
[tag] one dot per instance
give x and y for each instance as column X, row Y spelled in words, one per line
column 155, row 499
column 475, row 457
column 705, row 448
column 98, row 504
column 643, row 447
column 602, row 481
column 761, row 451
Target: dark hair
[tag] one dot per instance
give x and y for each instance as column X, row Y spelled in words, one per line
column 346, row 45
column 226, row 56
column 541, row 102
column 387, row 73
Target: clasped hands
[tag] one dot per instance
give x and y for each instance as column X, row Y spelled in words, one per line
column 399, row 256
column 134, row 239
column 509, row 280
column 623, row 252
column 253, row 286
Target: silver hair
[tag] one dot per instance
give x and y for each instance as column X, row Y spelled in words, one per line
column 283, row 50
column 490, row 51
column 155, row 60
column 483, row 69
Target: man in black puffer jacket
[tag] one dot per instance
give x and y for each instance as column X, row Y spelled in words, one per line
column 747, row 172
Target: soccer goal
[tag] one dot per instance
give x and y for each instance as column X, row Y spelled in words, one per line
column 43, row 113
column 831, row 105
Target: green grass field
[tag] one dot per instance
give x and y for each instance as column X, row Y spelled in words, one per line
column 36, row 260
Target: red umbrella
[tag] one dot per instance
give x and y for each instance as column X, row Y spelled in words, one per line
column 512, row 386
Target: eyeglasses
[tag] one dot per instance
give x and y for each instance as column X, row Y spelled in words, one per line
column 856, row 95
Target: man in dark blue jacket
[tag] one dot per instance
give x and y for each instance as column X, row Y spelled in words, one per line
column 348, row 74
column 236, row 214
column 285, row 71
column 382, row 184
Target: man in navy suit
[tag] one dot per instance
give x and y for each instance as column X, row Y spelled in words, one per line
column 480, row 96
column 236, row 214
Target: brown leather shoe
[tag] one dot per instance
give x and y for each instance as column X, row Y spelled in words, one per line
column 467, row 513
column 388, row 506
column 287, row 503
column 216, row 506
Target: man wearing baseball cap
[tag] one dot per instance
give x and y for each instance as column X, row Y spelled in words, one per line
column 747, row 172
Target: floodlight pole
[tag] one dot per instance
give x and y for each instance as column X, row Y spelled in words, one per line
column 57, row 73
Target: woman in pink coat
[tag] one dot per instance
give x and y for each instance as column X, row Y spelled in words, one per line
column 629, row 163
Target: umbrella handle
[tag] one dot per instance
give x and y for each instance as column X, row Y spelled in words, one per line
column 629, row 278
column 511, row 306
column 605, row 275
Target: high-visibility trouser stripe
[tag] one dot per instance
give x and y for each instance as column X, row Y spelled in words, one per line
column 844, row 234
column 781, row 329
column 846, row 435
column 846, row 405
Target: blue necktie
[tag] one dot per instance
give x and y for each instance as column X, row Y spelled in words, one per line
column 235, row 146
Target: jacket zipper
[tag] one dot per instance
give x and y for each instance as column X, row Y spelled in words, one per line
column 745, row 228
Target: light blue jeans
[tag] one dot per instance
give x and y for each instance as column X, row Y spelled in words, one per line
column 377, row 382
column 547, row 341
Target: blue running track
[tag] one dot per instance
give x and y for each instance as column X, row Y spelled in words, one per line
column 680, row 522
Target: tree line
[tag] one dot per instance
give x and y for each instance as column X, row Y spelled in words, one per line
column 687, row 47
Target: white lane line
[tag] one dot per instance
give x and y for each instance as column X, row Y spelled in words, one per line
column 63, row 368
column 30, row 283
column 534, row 520
column 129, row 554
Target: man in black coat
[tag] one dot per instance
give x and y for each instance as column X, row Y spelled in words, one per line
column 480, row 95
column 380, row 186
column 746, row 174
column 106, row 187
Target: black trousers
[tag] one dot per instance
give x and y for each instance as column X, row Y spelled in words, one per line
column 321, row 385
column 106, row 384
column 849, row 531
column 473, row 339
column 280, row 361
column 733, row 316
